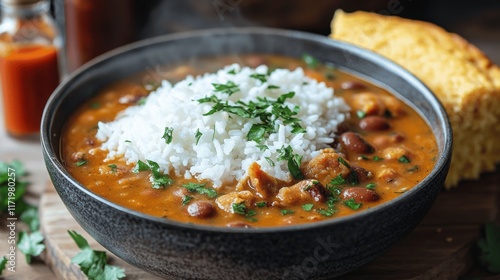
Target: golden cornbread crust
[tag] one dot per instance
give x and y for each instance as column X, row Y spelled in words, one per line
column 463, row 78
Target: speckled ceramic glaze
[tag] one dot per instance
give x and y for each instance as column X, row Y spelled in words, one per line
column 184, row 251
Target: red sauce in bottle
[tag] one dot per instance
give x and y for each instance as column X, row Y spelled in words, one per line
column 29, row 75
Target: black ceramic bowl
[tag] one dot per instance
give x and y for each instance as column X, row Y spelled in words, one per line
column 176, row 250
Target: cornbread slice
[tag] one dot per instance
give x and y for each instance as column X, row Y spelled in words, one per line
column 463, row 78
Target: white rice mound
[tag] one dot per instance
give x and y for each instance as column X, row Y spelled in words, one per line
column 223, row 153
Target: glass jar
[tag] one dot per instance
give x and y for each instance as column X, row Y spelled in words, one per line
column 29, row 63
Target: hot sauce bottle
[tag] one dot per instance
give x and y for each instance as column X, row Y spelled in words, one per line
column 29, row 66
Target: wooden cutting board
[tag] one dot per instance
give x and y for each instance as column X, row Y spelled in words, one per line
column 441, row 247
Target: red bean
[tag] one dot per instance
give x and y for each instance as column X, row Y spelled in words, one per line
column 238, row 225
column 316, row 190
column 363, row 174
column 201, row 209
column 354, row 143
column 360, row 194
column 374, row 123
column 352, row 85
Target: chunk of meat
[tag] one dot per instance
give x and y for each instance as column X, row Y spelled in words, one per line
column 325, row 167
column 265, row 185
column 225, row 202
column 387, row 174
column 394, row 106
column 369, row 103
column 304, row 191
column 395, row 153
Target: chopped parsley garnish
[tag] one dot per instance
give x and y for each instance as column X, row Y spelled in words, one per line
column 341, row 160
column 232, row 72
column 351, row 203
column 81, row 162
column 140, row 166
column 261, row 204
column 260, row 77
column 159, row 179
column 200, row 188
column 95, row 105
column 266, row 110
column 338, row 181
column 360, row 114
column 186, row 199
column 310, row 61
column 286, row 212
column 371, row 186
column 249, row 215
column 262, row 147
column 331, row 199
column 228, row 88
column 329, row 76
column 239, row 208
column 197, row 136
column 364, row 157
column 272, row 87
column 128, row 141
column 257, row 132
column 308, row 206
column 404, row 159
column 377, row 158
column 270, row 161
column 113, row 167
column 326, row 212
column 141, row 101
column 293, row 161
column 167, row 135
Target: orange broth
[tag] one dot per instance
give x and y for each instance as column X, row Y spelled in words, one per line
column 114, row 180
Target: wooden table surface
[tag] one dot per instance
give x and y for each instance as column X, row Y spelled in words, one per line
column 29, row 152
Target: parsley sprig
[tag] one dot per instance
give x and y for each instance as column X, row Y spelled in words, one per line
column 167, row 134
column 266, row 110
column 293, row 161
column 240, row 208
column 228, row 88
column 489, row 246
column 94, row 263
column 158, row 179
column 3, row 264
column 200, row 188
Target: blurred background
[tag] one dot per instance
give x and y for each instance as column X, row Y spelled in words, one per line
column 94, row 26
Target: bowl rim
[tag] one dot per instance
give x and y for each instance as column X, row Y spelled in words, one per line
column 441, row 162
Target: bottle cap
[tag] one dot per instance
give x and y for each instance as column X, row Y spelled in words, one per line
column 19, row 2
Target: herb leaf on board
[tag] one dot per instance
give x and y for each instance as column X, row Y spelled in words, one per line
column 30, row 244
column 94, row 263
column 490, row 247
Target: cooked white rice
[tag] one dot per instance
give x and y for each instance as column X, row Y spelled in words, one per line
column 223, row 152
